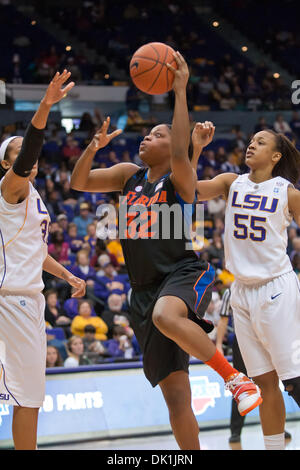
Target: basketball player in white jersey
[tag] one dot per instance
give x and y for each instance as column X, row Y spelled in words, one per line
column 24, row 223
column 265, row 294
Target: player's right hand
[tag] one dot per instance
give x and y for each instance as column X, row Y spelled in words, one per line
column 79, row 286
column 101, row 138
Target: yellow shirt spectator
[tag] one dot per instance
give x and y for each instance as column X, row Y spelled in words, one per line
column 114, row 247
column 84, row 318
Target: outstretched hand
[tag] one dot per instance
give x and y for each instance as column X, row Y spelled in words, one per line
column 203, row 134
column 55, row 92
column 101, row 138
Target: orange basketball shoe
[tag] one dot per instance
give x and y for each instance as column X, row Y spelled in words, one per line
column 244, row 391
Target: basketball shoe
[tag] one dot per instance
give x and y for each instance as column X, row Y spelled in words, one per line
column 244, row 391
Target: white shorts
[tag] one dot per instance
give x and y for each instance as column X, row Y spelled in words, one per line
column 22, row 350
column 267, row 325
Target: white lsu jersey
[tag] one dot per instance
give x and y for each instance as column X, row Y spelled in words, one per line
column 256, row 221
column 23, row 243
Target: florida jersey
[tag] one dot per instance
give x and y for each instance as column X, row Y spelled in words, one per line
column 256, row 221
column 155, row 240
column 23, row 243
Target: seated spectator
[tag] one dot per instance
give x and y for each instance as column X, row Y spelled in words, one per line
column 54, row 314
column 53, row 358
column 216, row 207
column 230, row 166
column 216, row 250
column 110, row 281
column 100, row 249
column 282, row 126
column 134, row 121
column 86, row 122
column 58, row 248
column 71, row 151
column 225, row 276
column 76, row 356
column 75, row 242
column 68, row 194
column 114, row 247
column 71, row 306
column 83, row 219
column 261, row 125
column 84, row 318
column 91, row 237
column 82, row 269
column 114, row 314
column 120, row 345
column 93, row 348
column 63, row 223
column 295, row 124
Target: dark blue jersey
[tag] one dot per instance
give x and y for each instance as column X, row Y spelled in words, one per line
column 154, row 229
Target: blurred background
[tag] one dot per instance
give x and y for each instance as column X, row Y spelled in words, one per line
column 244, row 60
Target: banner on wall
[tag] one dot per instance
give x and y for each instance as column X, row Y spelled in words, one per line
column 108, row 403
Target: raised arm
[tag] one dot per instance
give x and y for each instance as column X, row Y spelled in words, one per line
column 203, row 134
column 102, row 179
column 15, row 185
column 182, row 176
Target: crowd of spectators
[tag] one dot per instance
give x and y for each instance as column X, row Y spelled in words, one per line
column 97, row 328
column 220, row 77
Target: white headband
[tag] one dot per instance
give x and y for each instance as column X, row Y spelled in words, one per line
column 4, row 145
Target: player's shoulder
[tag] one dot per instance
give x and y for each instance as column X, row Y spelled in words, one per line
column 230, row 178
column 129, row 170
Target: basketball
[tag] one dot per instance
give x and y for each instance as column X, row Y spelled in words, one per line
column 148, row 68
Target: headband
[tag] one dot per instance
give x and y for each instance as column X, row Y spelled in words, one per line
column 4, row 146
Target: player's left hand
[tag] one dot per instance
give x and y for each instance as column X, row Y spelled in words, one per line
column 79, row 286
column 203, row 134
column 55, row 92
column 181, row 75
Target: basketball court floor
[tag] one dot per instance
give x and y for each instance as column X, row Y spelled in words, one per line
column 252, row 439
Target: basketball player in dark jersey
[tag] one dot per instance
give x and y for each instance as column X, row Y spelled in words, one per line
column 170, row 287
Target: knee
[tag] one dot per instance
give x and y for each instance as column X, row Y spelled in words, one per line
column 160, row 318
column 177, row 402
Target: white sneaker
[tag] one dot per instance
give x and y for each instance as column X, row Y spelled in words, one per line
column 244, row 391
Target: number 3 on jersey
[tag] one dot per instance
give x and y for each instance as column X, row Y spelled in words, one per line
column 258, row 232
column 44, row 227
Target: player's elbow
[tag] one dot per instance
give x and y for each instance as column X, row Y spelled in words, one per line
column 76, row 184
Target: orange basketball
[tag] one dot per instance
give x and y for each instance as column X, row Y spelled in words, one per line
column 148, row 68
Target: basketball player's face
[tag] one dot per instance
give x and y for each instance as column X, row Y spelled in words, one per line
column 261, row 151
column 156, row 146
column 14, row 150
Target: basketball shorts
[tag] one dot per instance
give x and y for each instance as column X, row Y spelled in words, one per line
column 267, row 325
column 22, row 350
column 192, row 283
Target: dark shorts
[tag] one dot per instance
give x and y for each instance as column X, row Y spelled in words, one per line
column 192, row 283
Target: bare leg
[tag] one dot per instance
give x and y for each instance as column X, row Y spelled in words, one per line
column 177, row 393
column 272, row 409
column 170, row 317
column 24, row 427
